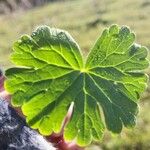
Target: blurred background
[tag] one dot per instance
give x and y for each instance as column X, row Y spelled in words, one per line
column 85, row 20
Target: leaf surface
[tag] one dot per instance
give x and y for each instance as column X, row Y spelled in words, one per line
column 51, row 75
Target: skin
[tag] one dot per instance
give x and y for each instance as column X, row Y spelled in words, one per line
column 57, row 139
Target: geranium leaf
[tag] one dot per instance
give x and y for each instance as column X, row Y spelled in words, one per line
column 52, row 75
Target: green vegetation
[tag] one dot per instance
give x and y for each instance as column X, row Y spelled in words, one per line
column 110, row 80
column 85, row 19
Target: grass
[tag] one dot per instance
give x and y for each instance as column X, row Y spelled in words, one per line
column 85, row 20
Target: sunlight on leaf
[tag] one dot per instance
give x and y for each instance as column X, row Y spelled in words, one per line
column 51, row 75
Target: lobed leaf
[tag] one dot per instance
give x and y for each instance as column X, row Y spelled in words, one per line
column 51, row 75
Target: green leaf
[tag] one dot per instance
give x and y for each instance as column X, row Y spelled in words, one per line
column 52, row 75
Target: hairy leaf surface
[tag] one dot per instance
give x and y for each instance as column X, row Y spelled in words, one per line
column 51, row 75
